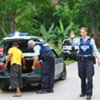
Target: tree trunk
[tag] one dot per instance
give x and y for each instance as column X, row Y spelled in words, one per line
column 12, row 26
column 11, row 19
column 3, row 31
column 92, row 14
column 93, row 29
column 54, row 2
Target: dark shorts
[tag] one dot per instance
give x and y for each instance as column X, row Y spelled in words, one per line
column 16, row 76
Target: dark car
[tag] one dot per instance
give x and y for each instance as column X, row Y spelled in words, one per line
column 29, row 76
column 69, row 50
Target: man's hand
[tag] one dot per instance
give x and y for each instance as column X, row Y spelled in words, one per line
column 33, row 67
column 24, row 67
column 98, row 61
column 5, row 66
column 72, row 35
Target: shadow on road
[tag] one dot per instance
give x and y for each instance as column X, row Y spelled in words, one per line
column 27, row 88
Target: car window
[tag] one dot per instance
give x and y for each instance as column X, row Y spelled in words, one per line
column 22, row 46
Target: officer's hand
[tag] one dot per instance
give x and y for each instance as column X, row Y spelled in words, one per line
column 72, row 35
column 33, row 67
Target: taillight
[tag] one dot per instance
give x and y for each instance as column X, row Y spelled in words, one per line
column 2, row 71
column 1, row 66
column 1, row 50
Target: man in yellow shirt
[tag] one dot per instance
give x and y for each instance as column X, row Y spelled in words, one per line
column 15, row 56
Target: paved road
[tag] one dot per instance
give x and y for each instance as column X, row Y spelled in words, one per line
column 68, row 89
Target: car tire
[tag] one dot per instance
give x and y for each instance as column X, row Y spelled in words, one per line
column 5, row 88
column 63, row 74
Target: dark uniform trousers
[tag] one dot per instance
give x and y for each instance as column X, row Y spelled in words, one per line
column 16, row 76
column 47, row 74
column 86, row 72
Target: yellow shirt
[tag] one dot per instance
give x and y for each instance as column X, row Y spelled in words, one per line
column 17, row 55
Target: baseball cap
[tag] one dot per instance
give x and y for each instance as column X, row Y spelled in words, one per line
column 30, row 42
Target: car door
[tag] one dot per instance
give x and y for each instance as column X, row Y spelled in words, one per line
column 58, row 64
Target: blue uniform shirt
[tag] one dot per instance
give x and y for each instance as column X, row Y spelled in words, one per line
column 36, row 50
column 95, row 51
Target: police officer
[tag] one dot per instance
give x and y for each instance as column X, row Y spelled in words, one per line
column 43, row 52
column 85, row 61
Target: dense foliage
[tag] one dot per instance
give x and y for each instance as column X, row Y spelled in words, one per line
column 50, row 19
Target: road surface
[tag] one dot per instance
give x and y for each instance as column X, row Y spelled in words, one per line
column 68, row 89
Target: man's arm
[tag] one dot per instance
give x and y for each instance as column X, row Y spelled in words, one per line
column 74, row 41
column 8, row 59
column 36, row 58
column 36, row 55
column 24, row 64
column 95, row 51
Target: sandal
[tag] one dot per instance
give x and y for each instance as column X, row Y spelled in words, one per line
column 17, row 95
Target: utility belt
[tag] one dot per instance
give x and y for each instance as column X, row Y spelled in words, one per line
column 86, row 58
column 46, row 56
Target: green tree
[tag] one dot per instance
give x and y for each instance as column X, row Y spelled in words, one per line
column 29, row 15
column 47, row 34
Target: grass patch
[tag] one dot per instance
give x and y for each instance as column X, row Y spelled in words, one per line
column 99, row 49
column 68, row 61
column 58, row 50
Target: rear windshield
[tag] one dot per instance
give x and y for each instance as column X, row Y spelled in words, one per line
column 22, row 46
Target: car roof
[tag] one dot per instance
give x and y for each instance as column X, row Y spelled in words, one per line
column 21, row 38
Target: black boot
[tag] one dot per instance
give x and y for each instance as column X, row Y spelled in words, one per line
column 88, row 97
column 50, row 90
column 42, row 92
column 82, row 95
